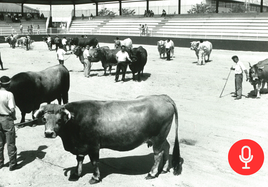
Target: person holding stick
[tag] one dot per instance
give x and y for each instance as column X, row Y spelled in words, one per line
column 238, row 68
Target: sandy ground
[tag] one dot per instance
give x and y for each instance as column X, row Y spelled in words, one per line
column 208, row 125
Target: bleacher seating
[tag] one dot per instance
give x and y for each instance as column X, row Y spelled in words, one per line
column 237, row 28
column 84, row 26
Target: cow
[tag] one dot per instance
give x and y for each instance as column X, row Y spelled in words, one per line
column 258, row 75
column 30, row 89
column 85, row 127
column 139, row 59
column 202, row 49
column 161, row 48
column 94, row 56
column 24, row 41
column 83, row 42
column 171, row 48
column 126, row 42
column 12, row 40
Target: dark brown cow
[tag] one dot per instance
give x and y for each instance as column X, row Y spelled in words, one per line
column 85, row 127
column 30, row 89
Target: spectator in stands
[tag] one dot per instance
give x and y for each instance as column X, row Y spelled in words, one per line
column 83, row 16
column 28, row 29
column 151, row 13
column 21, row 28
column 145, row 13
column 2, row 17
column 142, row 30
column 163, row 13
column 146, row 30
column 31, row 29
column 91, row 16
column 38, row 29
column 42, row 16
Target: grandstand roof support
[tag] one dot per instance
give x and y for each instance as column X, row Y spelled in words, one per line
column 261, row 6
column 74, row 10
column 120, row 7
column 97, row 9
column 217, row 6
column 147, row 5
column 179, row 6
column 22, row 9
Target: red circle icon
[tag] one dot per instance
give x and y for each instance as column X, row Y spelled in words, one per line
column 246, row 157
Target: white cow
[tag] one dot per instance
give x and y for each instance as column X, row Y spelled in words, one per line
column 202, row 49
column 126, row 42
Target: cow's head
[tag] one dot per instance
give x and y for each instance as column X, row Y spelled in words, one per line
column 93, row 55
column 55, row 117
column 194, row 45
column 254, row 72
column 78, row 51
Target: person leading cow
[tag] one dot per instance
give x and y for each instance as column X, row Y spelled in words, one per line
column 122, row 58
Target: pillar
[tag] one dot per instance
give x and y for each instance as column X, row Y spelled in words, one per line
column 120, row 7
column 261, row 6
column 217, row 6
column 97, row 11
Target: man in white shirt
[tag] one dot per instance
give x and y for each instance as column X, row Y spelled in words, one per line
column 87, row 63
column 168, row 48
column 122, row 58
column 7, row 129
column 60, row 54
column 238, row 68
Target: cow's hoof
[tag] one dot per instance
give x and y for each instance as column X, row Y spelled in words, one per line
column 94, row 181
column 73, row 177
column 149, row 176
column 164, row 172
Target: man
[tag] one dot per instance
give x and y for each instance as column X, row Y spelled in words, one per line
column 238, row 68
column 87, row 63
column 60, row 54
column 122, row 57
column 7, row 129
column 168, row 48
column 49, row 42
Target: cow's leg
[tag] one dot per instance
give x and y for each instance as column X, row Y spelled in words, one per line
column 258, row 90
column 94, row 158
column 139, row 75
column 158, row 154
column 78, row 170
column 166, row 147
column 110, row 69
column 262, row 85
column 65, row 97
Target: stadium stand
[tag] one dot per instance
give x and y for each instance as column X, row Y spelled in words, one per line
column 216, row 26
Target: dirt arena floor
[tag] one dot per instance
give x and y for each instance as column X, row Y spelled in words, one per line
column 208, row 125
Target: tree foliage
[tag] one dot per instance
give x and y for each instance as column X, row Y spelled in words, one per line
column 128, row 12
column 106, row 12
column 238, row 8
column 201, row 8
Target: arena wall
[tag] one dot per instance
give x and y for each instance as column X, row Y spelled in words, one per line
column 238, row 45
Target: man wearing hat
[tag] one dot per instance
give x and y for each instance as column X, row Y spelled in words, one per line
column 122, row 57
column 7, row 129
column 238, row 68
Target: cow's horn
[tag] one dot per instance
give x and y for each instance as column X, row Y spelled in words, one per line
column 38, row 113
column 261, row 67
column 69, row 115
column 249, row 64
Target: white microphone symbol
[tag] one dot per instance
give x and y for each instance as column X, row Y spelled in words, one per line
column 246, row 160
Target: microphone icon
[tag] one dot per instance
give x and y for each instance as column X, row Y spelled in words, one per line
column 246, row 160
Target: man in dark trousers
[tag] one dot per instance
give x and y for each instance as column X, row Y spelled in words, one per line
column 238, row 68
column 7, row 128
column 122, row 58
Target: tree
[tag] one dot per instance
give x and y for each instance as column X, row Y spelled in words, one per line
column 238, row 8
column 106, row 12
column 201, row 8
column 128, row 12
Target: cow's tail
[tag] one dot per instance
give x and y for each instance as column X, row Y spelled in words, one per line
column 176, row 157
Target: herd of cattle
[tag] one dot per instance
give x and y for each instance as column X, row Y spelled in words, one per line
column 88, row 126
column 16, row 40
